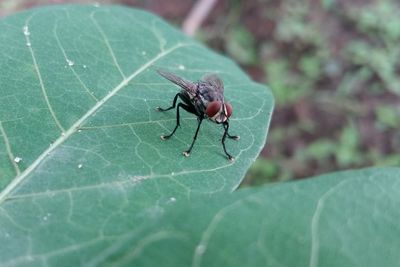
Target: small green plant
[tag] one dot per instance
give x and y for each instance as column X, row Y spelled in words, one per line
column 329, row 64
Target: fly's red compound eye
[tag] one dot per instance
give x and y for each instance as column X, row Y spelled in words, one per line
column 213, row 108
column 228, row 108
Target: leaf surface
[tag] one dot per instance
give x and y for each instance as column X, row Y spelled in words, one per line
column 81, row 161
column 341, row 219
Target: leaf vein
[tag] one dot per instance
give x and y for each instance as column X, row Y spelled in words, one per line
column 19, row 179
column 8, row 148
column 107, row 43
column 55, row 30
column 37, row 69
column 201, row 247
column 314, row 252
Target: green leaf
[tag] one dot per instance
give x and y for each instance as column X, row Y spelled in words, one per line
column 328, row 4
column 81, row 161
column 347, row 151
column 388, row 116
column 341, row 219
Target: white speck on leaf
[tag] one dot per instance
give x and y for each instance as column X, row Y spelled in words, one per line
column 80, row 166
column 26, row 30
column 70, row 62
column 200, row 249
column 46, row 217
column 28, row 44
column 17, row 159
column 84, row 66
column 154, row 212
column 137, row 178
column 181, row 67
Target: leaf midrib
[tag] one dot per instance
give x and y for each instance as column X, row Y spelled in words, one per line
column 18, row 179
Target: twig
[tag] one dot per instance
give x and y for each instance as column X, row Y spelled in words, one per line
column 197, row 15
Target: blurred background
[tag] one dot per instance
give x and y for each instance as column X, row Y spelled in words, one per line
column 333, row 66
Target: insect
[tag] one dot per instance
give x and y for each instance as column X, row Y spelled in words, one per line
column 205, row 99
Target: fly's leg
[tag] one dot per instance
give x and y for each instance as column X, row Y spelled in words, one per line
column 171, row 107
column 234, row 137
column 185, row 107
column 189, row 107
column 187, row 152
column 165, row 137
column 226, row 127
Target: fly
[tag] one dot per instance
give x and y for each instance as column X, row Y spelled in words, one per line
column 204, row 99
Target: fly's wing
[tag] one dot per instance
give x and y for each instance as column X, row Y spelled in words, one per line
column 215, row 82
column 184, row 84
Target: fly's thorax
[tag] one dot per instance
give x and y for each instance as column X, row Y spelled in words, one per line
column 189, row 94
column 205, row 95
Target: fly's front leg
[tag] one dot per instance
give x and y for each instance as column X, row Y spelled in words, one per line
column 171, row 107
column 234, row 137
column 226, row 128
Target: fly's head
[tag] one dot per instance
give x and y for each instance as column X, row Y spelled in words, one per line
column 219, row 111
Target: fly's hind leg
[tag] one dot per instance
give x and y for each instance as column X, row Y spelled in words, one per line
column 188, row 106
column 171, row 107
column 185, row 107
column 165, row 137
